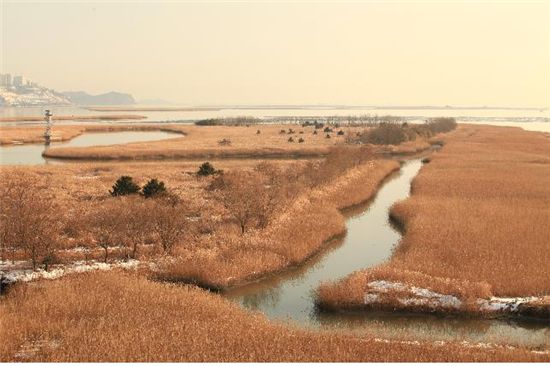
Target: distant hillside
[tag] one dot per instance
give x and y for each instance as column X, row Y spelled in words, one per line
column 24, row 96
column 111, row 98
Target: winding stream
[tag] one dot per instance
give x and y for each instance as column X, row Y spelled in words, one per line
column 369, row 241
column 31, row 154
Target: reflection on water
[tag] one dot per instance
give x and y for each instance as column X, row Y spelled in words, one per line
column 31, row 154
column 369, row 241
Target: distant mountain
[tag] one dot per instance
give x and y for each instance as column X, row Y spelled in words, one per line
column 111, row 98
column 30, row 95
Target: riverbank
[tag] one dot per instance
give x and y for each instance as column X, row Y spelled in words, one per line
column 298, row 233
column 102, row 117
column 235, row 142
column 35, row 134
column 110, row 317
column 476, row 229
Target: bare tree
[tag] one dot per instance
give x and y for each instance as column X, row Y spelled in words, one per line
column 104, row 224
column 245, row 196
column 135, row 222
column 29, row 220
column 168, row 221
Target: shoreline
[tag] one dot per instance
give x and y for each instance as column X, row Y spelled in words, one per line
column 103, row 117
column 258, row 277
column 391, row 288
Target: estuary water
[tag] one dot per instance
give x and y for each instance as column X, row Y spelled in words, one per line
column 31, row 154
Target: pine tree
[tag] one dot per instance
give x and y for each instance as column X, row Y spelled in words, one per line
column 153, row 188
column 124, row 186
column 206, row 169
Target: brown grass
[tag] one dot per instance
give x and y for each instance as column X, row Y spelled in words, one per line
column 203, row 142
column 477, row 223
column 101, row 117
column 122, row 317
column 293, row 236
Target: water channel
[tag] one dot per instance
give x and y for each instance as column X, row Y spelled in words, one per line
column 31, row 154
column 370, row 240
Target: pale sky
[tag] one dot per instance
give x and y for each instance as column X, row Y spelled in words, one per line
column 369, row 53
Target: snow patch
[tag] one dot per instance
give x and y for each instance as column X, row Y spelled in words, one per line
column 412, row 296
column 504, row 304
column 26, row 275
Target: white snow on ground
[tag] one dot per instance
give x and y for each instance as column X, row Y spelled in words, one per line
column 463, row 343
column 26, row 275
column 504, row 303
column 416, row 296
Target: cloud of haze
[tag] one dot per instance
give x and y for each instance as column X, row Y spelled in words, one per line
column 375, row 53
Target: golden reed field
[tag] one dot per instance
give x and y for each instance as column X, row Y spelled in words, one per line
column 211, row 142
column 122, row 317
column 477, row 223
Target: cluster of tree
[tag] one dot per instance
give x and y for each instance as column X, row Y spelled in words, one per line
column 129, row 222
column 229, row 121
column 394, row 133
column 34, row 227
column 29, row 219
column 253, row 198
column 125, row 185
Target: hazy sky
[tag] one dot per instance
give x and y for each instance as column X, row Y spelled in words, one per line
column 384, row 53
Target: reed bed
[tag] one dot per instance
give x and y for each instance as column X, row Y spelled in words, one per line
column 115, row 317
column 297, row 233
column 233, row 142
column 476, row 225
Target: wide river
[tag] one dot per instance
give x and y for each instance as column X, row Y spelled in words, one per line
column 528, row 118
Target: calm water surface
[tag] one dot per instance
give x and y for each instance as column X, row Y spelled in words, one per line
column 370, row 241
column 31, row 154
column 531, row 119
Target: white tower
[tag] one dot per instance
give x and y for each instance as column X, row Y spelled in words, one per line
column 48, row 132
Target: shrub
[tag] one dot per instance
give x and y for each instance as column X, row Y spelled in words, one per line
column 441, row 124
column 124, row 186
column 153, row 188
column 327, row 129
column 224, row 142
column 385, row 134
column 290, row 139
column 282, row 132
column 207, row 169
column 328, row 136
column 315, row 132
column 301, row 140
column 258, row 132
column 229, row 121
column 340, row 133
